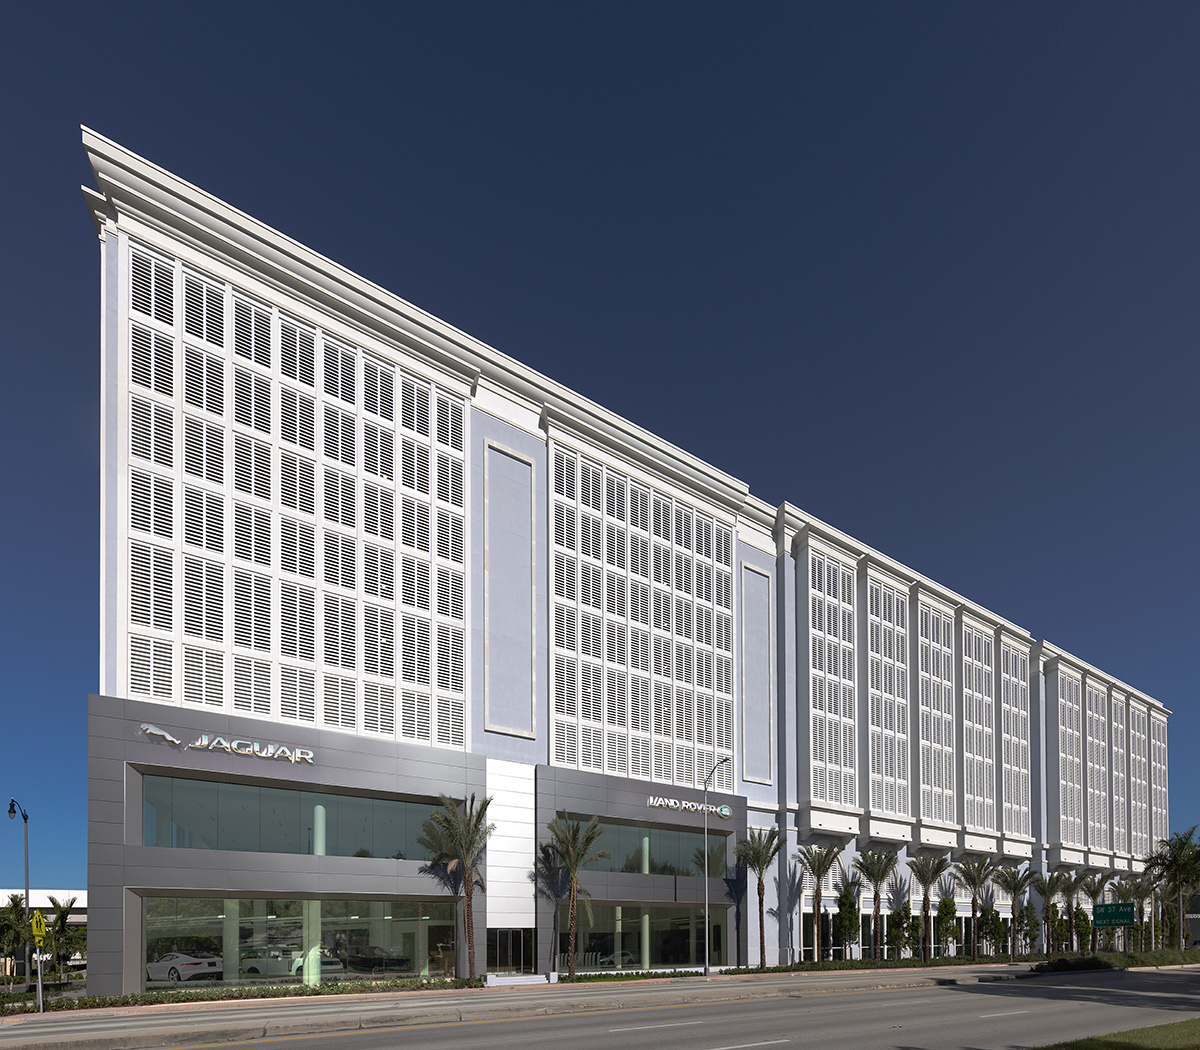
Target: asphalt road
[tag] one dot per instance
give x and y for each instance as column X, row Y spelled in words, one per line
column 845, row 1014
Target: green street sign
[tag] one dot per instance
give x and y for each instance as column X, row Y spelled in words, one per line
column 1113, row 915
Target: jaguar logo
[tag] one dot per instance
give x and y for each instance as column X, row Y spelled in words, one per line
column 162, row 734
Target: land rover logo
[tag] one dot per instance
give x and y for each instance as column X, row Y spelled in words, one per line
column 685, row 806
column 252, row 748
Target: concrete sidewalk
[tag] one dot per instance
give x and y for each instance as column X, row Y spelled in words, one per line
column 131, row 1027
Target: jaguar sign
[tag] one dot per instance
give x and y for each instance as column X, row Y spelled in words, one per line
column 250, row 748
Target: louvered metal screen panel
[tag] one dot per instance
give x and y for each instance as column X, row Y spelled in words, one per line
column 1098, row 787
column 1070, row 759
column 831, row 658
column 1015, row 741
column 303, row 502
column 935, row 681
column 887, row 645
column 641, row 628
column 979, row 708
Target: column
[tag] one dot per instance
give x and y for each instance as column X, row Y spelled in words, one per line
column 379, row 932
column 645, row 938
column 311, row 936
column 618, row 939
column 312, row 909
column 231, row 953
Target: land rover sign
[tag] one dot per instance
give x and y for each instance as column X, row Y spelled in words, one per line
column 684, row 806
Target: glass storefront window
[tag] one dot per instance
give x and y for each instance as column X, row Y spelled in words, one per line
column 642, row 937
column 206, row 814
column 271, row 941
column 660, row 851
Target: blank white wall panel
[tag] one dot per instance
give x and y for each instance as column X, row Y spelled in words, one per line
column 510, row 899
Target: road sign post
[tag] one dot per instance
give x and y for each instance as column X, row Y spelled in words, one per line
column 1112, row 915
column 38, row 922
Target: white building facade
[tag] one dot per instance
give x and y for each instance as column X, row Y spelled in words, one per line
column 353, row 558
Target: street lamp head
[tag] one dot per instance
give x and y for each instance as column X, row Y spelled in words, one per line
column 12, row 809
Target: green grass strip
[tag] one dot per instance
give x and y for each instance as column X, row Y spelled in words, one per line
column 1182, row 1035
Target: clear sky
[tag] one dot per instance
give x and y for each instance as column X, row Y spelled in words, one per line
column 929, row 271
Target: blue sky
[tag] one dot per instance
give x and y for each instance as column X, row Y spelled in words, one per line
column 929, row 271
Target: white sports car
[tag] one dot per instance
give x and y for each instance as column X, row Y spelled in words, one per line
column 184, row 966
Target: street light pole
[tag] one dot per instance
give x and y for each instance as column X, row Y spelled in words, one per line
column 707, row 781
column 13, row 808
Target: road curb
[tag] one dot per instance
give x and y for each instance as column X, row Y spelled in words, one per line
column 164, row 1022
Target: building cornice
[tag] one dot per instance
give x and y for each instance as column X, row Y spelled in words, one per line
column 134, row 187
column 792, row 525
column 1052, row 654
column 642, row 449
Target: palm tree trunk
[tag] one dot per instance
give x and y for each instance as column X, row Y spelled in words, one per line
column 1012, row 931
column 974, row 929
column 925, row 931
column 469, row 920
column 875, row 926
column 574, row 894
column 817, row 923
column 762, row 929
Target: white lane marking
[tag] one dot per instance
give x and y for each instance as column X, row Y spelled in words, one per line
column 644, row 1027
column 1007, row 1013
column 746, row 1046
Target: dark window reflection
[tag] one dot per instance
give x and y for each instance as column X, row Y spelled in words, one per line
column 660, row 851
column 204, row 814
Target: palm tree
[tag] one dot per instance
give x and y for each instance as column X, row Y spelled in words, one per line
column 876, row 867
column 1072, row 883
column 1176, row 863
column 927, row 870
column 974, row 876
column 848, row 920
column 818, row 861
column 574, row 846
column 59, row 934
column 1014, row 882
column 457, row 838
column 1136, row 890
column 1093, row 887
column 14, row 930
column 1047, row 887
column 758, row 852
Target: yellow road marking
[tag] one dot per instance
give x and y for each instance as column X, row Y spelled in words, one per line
column 384, row 1030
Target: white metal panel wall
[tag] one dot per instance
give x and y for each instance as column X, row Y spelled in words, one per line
column 511, row 849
